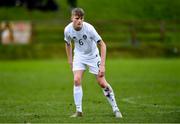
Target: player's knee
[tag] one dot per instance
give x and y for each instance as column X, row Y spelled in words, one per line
column 98, row 79
column 77, row 80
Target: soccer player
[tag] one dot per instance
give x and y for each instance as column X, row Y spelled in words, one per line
column 86, row 54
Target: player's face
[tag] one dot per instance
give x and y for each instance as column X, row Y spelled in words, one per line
column 77, row 22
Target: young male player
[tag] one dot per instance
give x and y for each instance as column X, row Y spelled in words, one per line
column 86, row 54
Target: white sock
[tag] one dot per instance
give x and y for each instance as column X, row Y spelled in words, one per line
column 78, row 98
column 108, row 92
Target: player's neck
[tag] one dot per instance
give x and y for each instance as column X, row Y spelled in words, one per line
column 77, row 28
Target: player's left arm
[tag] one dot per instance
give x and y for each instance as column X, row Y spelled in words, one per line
column 102, row 47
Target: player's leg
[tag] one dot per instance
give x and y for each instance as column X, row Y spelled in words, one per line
column 108, row 92
column 78, row 70
column 77, row 92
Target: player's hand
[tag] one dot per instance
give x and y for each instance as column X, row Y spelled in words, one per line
column 101, row 71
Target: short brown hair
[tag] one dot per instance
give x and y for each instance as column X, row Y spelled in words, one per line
column 77, row 12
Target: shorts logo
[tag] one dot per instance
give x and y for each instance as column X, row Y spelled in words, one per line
column 98, row 63
column 84, row 37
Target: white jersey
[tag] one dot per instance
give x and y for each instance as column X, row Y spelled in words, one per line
column 85, row 41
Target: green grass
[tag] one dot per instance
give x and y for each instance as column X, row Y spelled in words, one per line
column 147, row 90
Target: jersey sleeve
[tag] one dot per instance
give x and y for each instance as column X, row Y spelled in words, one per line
column 67, row 37
column 96, row 37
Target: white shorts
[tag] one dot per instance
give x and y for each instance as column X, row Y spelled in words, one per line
column 92, row 64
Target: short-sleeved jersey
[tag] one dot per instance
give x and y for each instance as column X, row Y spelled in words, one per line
column 85, row 40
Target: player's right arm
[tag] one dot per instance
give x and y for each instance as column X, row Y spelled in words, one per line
column 68, row 46
column 69, row 53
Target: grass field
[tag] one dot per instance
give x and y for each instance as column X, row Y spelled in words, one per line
column 147, row 90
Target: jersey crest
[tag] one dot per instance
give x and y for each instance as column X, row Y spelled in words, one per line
column 84, row 37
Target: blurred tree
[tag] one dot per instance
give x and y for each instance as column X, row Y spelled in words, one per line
column 72, row 3
column 7, row 3
column 44, row 5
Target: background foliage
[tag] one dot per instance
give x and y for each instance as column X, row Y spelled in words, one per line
column 114, row 20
